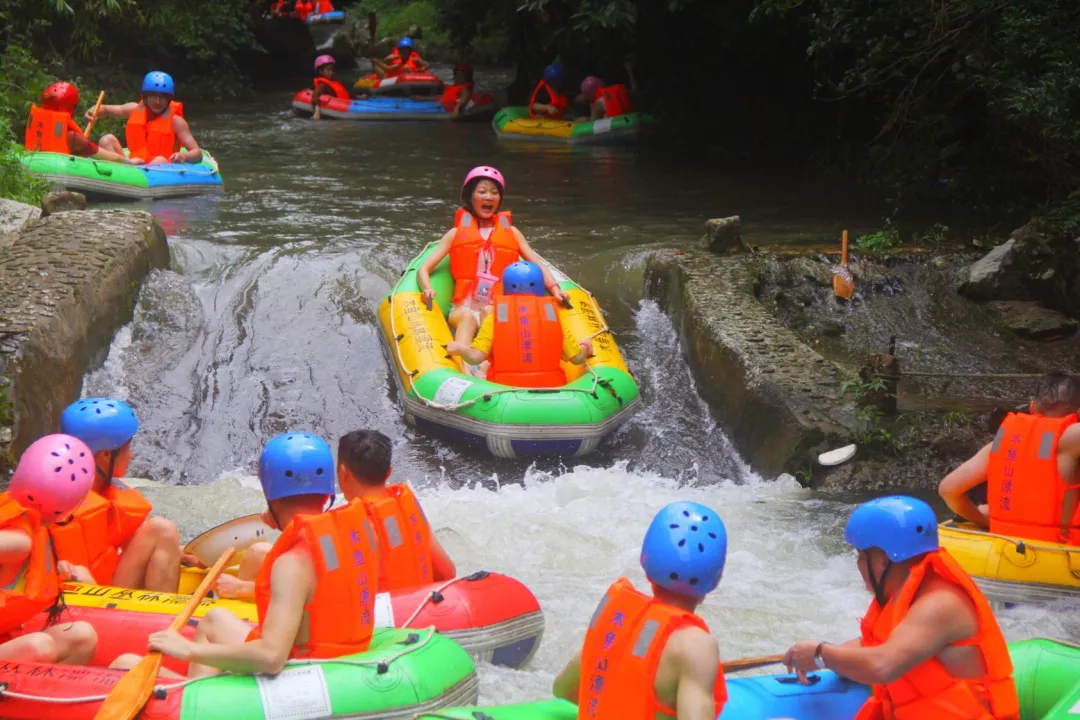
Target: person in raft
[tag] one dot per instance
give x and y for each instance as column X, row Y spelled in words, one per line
column 524, row 340
column 403, row 59
column 325, row 84
column 459, row 96
column 605, row 102
column 647, row 656
column 409, row 553
column 156, row 127
column 111, row 533
column 1031, row 470
column 51, row 127
column 53, row 476
column 315, row 592
column 930, row 646
column 481, row 245
column 546, row 100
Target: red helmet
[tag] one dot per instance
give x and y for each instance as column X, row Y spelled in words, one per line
column 61, row 96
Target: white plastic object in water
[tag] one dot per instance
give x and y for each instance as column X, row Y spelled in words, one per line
column 241, row 533
column 838, row 456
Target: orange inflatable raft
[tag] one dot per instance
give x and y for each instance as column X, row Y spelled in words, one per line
column 410, row 83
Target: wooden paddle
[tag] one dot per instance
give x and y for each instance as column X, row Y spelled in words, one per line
column 843, row 284
column 372, row 23
column 127, row 698
column 93, row 118
column 751, row 662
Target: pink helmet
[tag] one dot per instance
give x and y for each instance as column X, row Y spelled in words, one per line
column 590, row 85
column 324, row 60
column 487, row 172
column 53, row 476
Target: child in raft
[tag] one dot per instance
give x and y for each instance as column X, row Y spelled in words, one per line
column 155, row 128
column 51, row 128
column 325, row 84
column 52, row 478
column 315, row 592
column 481, row 245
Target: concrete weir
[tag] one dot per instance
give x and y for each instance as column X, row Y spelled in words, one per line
column 68, row 282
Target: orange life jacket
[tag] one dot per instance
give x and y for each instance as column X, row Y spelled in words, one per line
column 928, row 691
column 47, row 130
column 37, row 586
column 323, row 6
column 404, row 539
column 340, row 91
column 616, row 100
column 1024, row 486
column 527, row 343
column 560, row 102
column 148, row 139
column 626, row 637
column 410, row 65
column 451, row 94
column 501, row 250
column 99, row 527
column 303, row 9
column 341, row 617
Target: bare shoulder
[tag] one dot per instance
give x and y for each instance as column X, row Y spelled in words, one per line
column 692, row 646
column 945, row 605
column 1070, row 439
column 179, row 123
column 294, row 566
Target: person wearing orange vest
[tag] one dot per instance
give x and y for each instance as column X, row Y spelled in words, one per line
column 481, row 245
column 53, row 476
column 403, row 59
column 524, row 338
column 325, row 84
column 458, row 96
column 156, row 129
column 315, row 592
column 930, row 646
column 1031, row 470
column 111, row 532
column 546, row 100
column 51, row 128
column 649, row 656
column 605, row 102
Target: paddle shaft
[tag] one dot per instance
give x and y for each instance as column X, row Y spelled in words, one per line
column 202, row 591
column 93, row 117
column 751, row 662
column 372, row 23
column 844, row 248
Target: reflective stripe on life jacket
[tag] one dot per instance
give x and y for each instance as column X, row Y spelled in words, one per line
column 626, row 638
column 340, row 91
column 928, row 691
column 501, row 247
column 47, row 130
column 527, row 342
column 555, row 99
column 341, row 615
column 1025, row 489
column 616, row 100
column 37, row 584
column 99, row 527
column 148, row 139
column 404, row 539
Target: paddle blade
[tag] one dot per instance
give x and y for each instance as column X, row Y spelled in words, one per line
column 750, row 663
column 843, row 284
column 127, row 698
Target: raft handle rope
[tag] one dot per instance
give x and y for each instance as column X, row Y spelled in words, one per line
column 161, row 691
column 452, row 407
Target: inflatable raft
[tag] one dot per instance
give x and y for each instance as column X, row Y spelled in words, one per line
column 99, row 177
column 438, row 394
column 401, row 674
column 514, row 123
column 337, row 16
column 1047, row 675
column 407, row 84
column 1011, row 569
column 493, row 617
column 388, row 108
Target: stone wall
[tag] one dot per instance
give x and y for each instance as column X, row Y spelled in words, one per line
column 68, row 282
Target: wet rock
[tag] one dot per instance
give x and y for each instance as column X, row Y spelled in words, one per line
column 14, row 215
column 62, row 201
column 723, row 235
column 1030, row 320
column 67, row 283
column 994, row 275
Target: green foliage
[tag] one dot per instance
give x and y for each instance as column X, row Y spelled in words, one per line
column 881, row 240
column 21, row 81
column 396, row 18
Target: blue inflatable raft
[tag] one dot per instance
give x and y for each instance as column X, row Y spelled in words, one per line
column 388, row 108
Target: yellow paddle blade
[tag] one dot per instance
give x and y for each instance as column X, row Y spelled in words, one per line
column 751, row 662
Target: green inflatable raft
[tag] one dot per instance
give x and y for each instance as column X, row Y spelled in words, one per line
column 440, row 395
column 514, row 123
column 1047, row 674
column 117, row 180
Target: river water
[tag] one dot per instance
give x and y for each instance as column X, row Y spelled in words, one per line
column 266, row 322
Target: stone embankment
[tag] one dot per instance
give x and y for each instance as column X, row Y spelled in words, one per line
column 68, row 282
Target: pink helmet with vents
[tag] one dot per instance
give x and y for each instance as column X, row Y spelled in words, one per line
column 487, row 173
column 590, row 85
column 324, row 60
column 53, row 476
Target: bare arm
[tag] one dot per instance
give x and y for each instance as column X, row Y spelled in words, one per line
column 599, row 108
column 470, row 354
column 14, row 547
column 463, row 99
column 423, row 273
column 113, row 111
column 696, row 658
column 529, row 254
column 566, row 684
column 954, row 488
column 191, row 152
column 1069, row 468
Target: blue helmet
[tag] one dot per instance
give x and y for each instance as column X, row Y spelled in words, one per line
column 523, row 278
column 901, row 526
column 158, row 82
column 405, row 42
column 296, row 464
column 101, row 423
column 553, row 73
column 685, row 549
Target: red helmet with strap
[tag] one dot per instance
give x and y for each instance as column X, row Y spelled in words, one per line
column 61, row 96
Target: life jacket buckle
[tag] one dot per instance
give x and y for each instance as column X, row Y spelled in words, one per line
column 478, row 575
